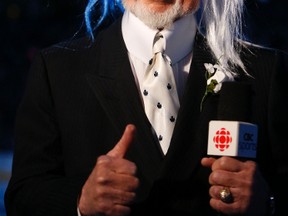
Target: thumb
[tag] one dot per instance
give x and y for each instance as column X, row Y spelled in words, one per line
column 207, row 161
column 122, row 146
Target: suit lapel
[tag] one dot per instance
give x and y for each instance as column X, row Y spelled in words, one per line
column 115, row 88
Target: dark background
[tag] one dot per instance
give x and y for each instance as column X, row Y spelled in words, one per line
column 29, row 25
column 26, row 26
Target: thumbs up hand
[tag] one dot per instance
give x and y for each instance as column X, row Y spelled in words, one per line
column 111, row 186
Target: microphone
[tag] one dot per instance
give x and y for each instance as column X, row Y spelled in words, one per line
column 232, row 134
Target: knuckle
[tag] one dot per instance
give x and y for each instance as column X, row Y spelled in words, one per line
column 251, row 166
column 223, row 161
column 103, row 207
column 101, row 179
column 103, row 159
column 211, row 179
column 118, row 210
column 127, row 198
column 133, row 168
column 136, row 182
column 211, row 191
column 214, row 177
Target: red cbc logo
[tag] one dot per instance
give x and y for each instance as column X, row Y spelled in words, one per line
column 222, row 139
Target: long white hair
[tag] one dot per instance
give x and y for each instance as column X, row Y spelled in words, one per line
column 222, row 22
column 220, row 19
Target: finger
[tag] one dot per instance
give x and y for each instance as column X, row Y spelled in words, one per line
column 122, row 146
column 110, row 209
column 126, row 183
column 228, row 164
column 224, row 178
column 118, row 181
column 122, row 166
column 215, row 190
column 124, row 198
column 111, row 196
column 117, row 165
column 119, row 210
column 207, row 162
column 226, row 208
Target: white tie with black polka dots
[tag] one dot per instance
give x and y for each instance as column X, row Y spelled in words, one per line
column 160, row 95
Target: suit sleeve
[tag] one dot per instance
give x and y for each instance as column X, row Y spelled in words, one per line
column 38, row 185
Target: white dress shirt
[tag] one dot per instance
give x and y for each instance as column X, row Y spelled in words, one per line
column 139, row 42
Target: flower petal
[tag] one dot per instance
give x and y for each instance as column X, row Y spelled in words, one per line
column 209, row 68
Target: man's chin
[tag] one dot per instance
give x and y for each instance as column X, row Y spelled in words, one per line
column 155, row 18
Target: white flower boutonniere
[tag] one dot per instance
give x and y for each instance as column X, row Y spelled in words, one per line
column 215, row 75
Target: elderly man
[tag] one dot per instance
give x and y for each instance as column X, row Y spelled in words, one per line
column 116, row 123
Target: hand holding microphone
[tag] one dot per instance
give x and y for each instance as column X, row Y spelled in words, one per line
column 248, row 188
column 237, row 186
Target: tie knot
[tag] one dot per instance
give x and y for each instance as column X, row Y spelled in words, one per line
column 158, row 43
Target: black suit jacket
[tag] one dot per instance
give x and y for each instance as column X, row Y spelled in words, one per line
column 81, row 95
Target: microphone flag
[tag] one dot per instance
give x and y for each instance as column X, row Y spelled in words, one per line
column 232, row 138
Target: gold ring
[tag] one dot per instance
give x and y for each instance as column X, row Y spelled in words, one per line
column 226, row 195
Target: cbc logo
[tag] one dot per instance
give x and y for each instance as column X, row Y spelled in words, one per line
column 222, row 139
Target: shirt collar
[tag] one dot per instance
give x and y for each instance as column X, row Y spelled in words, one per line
column 139, row 38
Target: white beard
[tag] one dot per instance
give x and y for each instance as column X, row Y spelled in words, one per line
column 155, row 20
